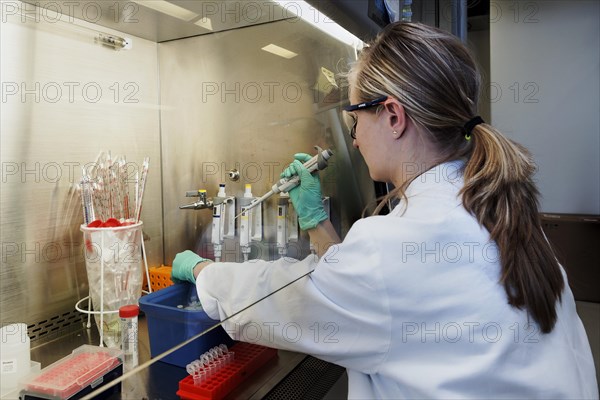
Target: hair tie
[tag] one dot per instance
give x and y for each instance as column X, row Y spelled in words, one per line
column 470, row 125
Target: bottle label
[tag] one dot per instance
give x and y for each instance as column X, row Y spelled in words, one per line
column 9, row 366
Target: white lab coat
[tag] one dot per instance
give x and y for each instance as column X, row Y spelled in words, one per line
column 411, row 305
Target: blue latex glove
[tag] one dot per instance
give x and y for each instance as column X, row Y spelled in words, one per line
column 183, row 266
column 306, row 197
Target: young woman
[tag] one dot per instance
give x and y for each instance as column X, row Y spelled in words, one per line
column 455, row 293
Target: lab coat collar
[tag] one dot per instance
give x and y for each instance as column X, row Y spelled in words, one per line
column 448, row 172
column 443, row 178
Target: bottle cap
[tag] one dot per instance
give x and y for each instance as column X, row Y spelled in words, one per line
column 129, row 311
column 221, row 190
column 248, row 191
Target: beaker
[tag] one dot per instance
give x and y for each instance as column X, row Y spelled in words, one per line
column 113, row 259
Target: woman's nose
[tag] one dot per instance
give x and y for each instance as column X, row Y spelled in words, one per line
column 354, row 144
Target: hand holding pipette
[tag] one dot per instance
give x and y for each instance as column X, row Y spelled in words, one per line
column 290, row 180
column 307, row 197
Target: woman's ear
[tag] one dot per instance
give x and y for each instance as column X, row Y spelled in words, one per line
column 396, row 117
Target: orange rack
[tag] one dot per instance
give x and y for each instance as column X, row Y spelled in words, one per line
column 248, row 358
column 160, row 277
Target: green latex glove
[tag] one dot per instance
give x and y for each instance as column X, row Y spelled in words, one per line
column 306, row 197
column 183, row 266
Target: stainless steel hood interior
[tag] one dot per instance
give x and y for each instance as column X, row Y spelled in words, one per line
column 165, row 20
column 152, row 100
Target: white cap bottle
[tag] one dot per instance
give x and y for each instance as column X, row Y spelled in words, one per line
column 221, row 192
column 15, row 359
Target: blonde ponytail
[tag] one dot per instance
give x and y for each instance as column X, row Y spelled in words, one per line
column 499, row 191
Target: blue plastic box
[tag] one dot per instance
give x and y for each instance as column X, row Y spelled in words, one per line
column 169, row 325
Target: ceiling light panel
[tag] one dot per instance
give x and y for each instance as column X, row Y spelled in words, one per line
column 168, row 8
column 279, row 51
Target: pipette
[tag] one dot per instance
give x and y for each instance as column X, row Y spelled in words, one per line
column 317, row 163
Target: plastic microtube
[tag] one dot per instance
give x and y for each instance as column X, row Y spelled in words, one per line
column 194, row 367
column 200, row 378
column 197, row 379
column 190, row 369
column 197, row 365
column 212, row 369
column 209, row 364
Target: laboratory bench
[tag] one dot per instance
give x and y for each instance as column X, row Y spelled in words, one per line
column 290, row 375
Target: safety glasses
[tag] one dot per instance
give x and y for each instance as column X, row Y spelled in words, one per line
column 350, row 117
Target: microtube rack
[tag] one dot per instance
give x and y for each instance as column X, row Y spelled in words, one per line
column 248, row 358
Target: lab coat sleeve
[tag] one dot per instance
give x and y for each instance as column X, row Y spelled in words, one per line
column 339, row 312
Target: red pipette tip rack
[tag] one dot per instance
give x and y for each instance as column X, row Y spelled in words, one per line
column 74, row 373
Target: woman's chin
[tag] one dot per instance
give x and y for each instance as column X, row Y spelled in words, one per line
column 376, row 177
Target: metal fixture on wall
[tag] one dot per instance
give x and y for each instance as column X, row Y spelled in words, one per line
column 115, row 42
column 11, row 11
column 202, row 203
column 233, row 175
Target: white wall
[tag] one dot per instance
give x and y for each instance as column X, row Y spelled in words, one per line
column 545, row 91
